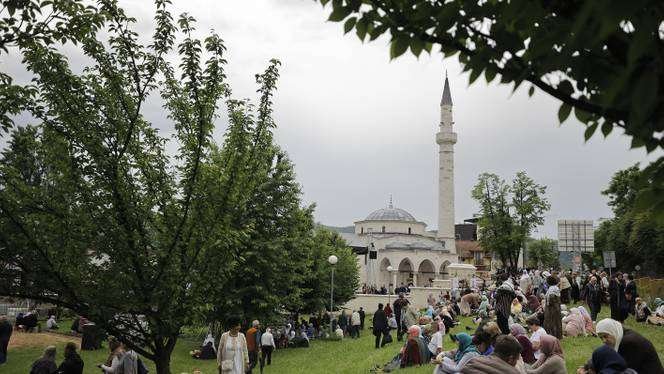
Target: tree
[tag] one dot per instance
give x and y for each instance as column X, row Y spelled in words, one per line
column 96, row 217
column 604, row 60
column 636, row 236
column 508, row 214
column 542, row 253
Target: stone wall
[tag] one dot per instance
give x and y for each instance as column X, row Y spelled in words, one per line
column 417, row 297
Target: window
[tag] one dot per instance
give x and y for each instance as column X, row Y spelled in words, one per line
column 477, row 256
column 361, row 230
column 383, row 230
column 409, row 231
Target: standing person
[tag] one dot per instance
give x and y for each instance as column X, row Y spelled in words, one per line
column 362, row 317
column 630, row 295
column 565, row 289
column 233, row 355
column 253, row 344
column 355, row 324
column 5, row 333
column 46, row 364
column 114, row 360
column 72, row 364
column 343, row 322
column 399, row 305
column 576, row 287
column 504, row 296
column 617, row 297
column 552, row 317
column 638, row 352
column 380, row 326
column 267, row 346
column 593, row 294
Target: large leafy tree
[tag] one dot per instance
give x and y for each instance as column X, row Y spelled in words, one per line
column 508, row 214
column 602, row 59
column 542, row 253
column 95, row 216
column 636, row 236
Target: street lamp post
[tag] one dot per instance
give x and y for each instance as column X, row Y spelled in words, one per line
column 389, row 291
column 333, row 261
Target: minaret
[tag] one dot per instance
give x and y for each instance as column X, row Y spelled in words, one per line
column 446, row 138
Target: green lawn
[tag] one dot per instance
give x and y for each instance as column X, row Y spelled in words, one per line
column 347, row 356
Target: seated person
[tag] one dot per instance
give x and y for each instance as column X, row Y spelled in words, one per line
column 574, row 324
column 30, row 321
column 412, row 353
column 657, row 318
column 642, row 312
column 454, row 361
column 605, row 360
column 483, row 341
column 207, row 351
column 504, row 359
column 51, row 324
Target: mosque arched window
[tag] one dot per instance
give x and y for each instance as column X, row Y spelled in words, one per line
column 361, row 230
column 409, row 232
column 383, row 229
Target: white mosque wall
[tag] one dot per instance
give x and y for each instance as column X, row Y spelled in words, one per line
column 379, row 227
column 418, row 298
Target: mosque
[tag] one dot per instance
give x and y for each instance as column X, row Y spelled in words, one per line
column 395, row 248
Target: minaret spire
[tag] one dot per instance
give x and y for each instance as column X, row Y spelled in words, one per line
column 447, row 94
column 446, row 138
column 391, row 206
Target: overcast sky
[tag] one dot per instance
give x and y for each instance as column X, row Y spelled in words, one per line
column 360, row 127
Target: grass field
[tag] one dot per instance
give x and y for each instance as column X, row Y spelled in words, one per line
column 347, row 356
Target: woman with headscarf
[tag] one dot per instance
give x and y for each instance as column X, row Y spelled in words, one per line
column 552, row 316
column 465, row 352
column 657, row 318
column 551, row 361
column 533, row 303
column 574, row 323
column 638, row 352
column 504, row 296
column 527, row 353
column 607, row 361
column 587, row 320
column 412, row 353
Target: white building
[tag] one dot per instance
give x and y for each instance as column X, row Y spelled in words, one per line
column 395, row 238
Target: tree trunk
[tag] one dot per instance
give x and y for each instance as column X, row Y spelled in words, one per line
column 162, row 358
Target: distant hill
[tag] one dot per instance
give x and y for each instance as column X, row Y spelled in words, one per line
column 345, row 229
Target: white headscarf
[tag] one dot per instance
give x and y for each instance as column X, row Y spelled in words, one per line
column 611, row 327
column 209, row 339
column 583, row 311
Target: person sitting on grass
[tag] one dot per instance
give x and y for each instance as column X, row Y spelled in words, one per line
column 641, row 310
column 483, row 341
column 519, row 333
column 605, row 361
column 207, row 351
column 551, row 361
column 45, row 364
column 454, row 361
column 413, row 352
column 587, row 320
column 573, row 324
column 657, row 318
column 51, row 324
column 638, row 352
column 537, row 333
column 72, row 364
column 503, row 360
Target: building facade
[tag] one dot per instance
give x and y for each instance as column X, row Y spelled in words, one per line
column 575, row 237
column 396, row 240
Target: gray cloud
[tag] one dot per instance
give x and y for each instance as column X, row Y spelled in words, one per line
column 360, row 127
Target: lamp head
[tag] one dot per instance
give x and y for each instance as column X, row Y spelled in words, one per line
column 332, row 260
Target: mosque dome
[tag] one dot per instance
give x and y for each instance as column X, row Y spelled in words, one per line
column 390, row 214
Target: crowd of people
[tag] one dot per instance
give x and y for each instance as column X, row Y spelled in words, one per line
column 71, row 363
column 521, row 320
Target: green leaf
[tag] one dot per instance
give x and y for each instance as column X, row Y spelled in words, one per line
column 474, row 75
column 489, row 74
column 606, row 128
column 564, row 112
column 399, row 46
column 637, row 143
column 566, row 87
column 590, row 130
column 416, row 46
column 361, row 28
column 339, row 13
column 582, row 115
column 349, row 24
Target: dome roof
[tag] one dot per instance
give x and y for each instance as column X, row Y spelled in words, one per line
column 390, row 214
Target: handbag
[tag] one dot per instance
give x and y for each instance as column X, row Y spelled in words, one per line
column 226, row 365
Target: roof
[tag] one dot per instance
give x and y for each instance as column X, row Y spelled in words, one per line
column 390, row 214
column 447, row 94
